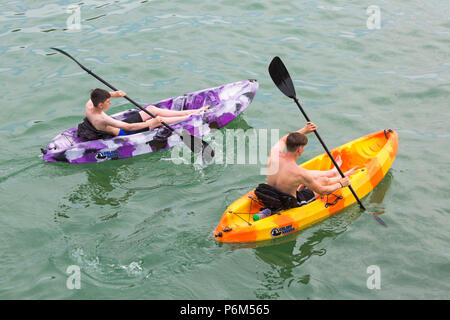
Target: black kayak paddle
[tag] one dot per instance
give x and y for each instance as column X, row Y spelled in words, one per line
column 196, row 145
column 283, row 81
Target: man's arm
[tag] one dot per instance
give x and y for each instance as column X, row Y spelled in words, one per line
column 308, row 128
column 323, row 185
column 117, row 94
column 328, row 173
column 151, row 124
column 281, row 144
column 278, row 147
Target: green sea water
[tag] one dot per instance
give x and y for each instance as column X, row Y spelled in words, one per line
column 141, row 228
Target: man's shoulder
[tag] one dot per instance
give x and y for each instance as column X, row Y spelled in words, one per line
column 299, row 171
column 95, row 117
column 89, row 104
column 302, row 170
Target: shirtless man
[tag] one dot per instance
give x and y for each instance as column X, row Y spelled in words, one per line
column 286, row 176
column 98, row 124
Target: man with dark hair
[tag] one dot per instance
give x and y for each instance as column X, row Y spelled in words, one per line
column 98, row 125
column 295, row 140
column 286, row 176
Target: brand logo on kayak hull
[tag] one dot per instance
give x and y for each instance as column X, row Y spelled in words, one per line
column 276, row 232
column 107, row 155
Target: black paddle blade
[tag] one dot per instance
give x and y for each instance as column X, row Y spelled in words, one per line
column 69, row 56
column 207, row 152
column 281, row 77
column 65, row 53
column 380, row 221
column 198, row 146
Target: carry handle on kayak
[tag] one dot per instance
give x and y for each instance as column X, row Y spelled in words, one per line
column 191, row 142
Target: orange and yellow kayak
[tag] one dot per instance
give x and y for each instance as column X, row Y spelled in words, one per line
column 374, row 154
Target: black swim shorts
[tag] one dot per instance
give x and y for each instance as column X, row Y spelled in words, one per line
column 305, row 196
column 134, row 117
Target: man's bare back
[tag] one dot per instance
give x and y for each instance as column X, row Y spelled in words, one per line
column 286, row 176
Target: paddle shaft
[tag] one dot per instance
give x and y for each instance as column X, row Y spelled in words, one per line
column 192, row 142
column 126, row 97
column 328, row 152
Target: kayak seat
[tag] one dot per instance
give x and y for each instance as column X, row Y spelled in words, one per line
column 274, row 199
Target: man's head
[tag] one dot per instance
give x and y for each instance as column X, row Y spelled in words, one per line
column 296, row 142
column 100, row 98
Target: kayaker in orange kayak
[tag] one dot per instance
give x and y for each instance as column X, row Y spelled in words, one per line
column 286, row 176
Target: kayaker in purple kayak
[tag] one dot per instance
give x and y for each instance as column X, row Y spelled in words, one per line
column 98, row 125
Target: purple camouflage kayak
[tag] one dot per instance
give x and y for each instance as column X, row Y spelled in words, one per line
column 226, row 103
